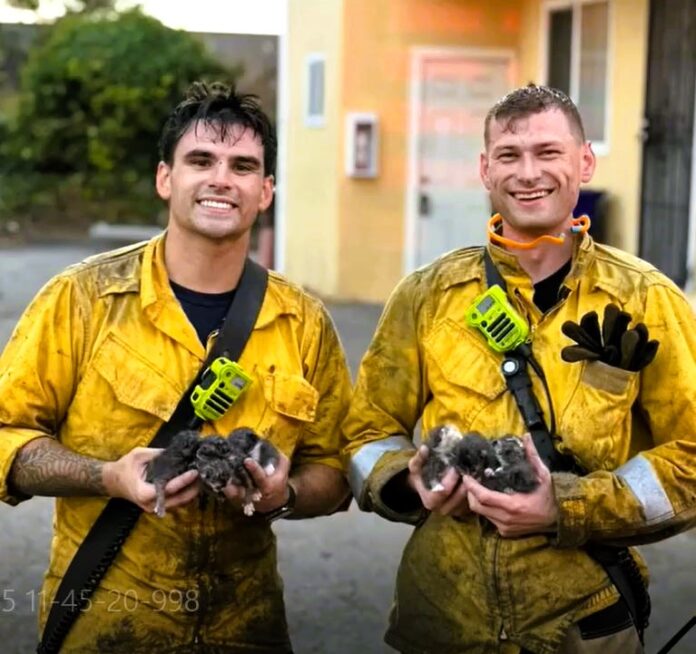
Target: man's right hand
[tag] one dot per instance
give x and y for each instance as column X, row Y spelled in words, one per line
column 125, row 478
column 451, row 500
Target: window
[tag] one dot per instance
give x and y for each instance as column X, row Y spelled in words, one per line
column 314, row 116
column 577, row 57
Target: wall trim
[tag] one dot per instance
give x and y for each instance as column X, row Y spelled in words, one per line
column 282, row 127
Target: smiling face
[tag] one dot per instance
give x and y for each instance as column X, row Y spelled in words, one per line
column 215, row 188
column 532, row 168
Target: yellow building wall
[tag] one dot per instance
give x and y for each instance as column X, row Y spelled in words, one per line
column 619, row 171
column 345, row 237
column 312, row 165
column 378, row 37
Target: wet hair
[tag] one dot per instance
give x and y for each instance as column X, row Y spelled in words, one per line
column 220, row 107
column 533, row 99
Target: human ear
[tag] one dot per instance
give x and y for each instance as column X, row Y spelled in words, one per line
column 163, row 180
column 588, row 162
column 483, row 170
column 267, row 192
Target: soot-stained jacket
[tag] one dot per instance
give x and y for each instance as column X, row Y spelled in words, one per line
column 462, row 587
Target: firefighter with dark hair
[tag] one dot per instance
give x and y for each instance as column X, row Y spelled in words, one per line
column 101, row 362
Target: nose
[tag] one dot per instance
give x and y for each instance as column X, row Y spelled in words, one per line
column 528, row 171
column 221, row 175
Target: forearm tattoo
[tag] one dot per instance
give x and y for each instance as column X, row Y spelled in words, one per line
column 45, row 467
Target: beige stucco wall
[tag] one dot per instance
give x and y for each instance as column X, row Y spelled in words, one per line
column 312, row 165
column 379, row 37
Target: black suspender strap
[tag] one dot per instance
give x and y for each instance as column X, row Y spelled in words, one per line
column 617, row 561
column 516, row 373
column 111, row 529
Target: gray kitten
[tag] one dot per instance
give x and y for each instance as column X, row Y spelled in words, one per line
column 220, row 461
column 178, row 457
column 514, row 473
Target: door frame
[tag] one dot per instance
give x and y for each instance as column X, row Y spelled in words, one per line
column 690, row 285
column 418, row 56
column 282, row 128
column 687, row 249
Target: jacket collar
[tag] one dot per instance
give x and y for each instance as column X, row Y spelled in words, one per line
column 157, row 298
column 142, row 269
column 584, row 252
column 463, row 271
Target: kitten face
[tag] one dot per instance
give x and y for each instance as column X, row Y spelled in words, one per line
column 443, row 440
column 509, row 449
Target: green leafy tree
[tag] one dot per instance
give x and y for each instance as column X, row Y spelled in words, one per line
column 94, row 95
column 70, row 5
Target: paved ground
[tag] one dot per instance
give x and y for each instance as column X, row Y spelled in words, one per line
column 339, row 571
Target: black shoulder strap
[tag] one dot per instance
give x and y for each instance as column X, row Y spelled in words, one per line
column 516, row 374
column 117, row 519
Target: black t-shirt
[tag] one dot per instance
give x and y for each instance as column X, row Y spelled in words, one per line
column 546, row 291
column 205, row 311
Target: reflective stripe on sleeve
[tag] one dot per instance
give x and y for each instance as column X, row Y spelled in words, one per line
column 645, row 485
column 364, row 460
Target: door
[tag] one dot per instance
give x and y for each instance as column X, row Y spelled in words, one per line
column 455, row 90
column 668, row 136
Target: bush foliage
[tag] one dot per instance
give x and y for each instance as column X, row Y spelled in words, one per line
column 94, row 95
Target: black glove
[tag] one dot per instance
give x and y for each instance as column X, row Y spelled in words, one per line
column 614, row 344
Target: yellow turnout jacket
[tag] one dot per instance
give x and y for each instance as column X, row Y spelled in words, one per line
column 461, row 587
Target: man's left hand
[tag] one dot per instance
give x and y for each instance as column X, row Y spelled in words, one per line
column 517, row 514
column 273, row 488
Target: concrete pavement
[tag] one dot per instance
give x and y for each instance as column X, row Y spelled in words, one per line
column 339, row 571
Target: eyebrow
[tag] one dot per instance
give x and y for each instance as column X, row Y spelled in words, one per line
column 550, row 144
column 509, row 147
column 199, row 153
column 247, row 159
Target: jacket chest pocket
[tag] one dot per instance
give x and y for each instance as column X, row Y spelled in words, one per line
column 291, row 404
column 121, row 401
column 596, row 423
column 463, row 374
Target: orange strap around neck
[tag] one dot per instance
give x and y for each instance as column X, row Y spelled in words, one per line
column 577, row 226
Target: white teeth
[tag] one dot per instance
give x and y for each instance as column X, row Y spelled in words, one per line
column 532, row 196
column 216, row 205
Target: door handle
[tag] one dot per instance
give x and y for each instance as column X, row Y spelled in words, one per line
column 425, row 205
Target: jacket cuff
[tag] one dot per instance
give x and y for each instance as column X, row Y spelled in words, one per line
column 571, row 527
column 397, row 503
column 11, row 441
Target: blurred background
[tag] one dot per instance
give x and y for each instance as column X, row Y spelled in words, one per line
column 84, row 89
column 379, row 107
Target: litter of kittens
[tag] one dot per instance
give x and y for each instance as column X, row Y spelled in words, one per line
column 500, row 465
column 218, row 460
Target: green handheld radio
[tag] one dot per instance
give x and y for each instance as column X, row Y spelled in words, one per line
column 494, row 316
column 221, row 384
